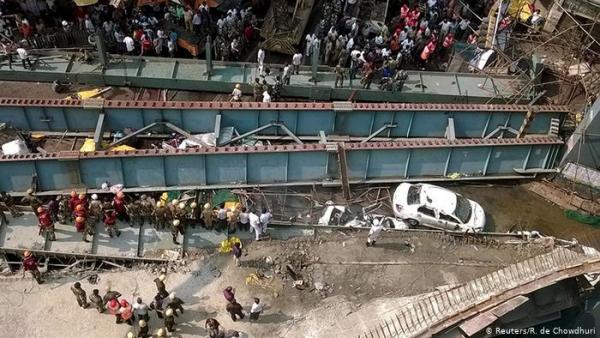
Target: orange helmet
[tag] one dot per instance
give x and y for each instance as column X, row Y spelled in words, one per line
column 79, row 207
column 120, row 194
column 124, row 303
column 73, row 193
column 81, row 196
column 80, row 219
column 26, row 253
column 40, row 209
column 113, row 303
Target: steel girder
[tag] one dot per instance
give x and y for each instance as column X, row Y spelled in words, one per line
column 423, row 159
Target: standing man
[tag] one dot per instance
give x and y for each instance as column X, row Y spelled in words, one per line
column 141, row 310
column 260, row 58
column 24, row 56
column 160, row 286
column 222, row 217
column 95, row 209
column 236, row 95
column 235, row 310
column 110, row 223
column 80, row 295
column 31, row 200
column 160, row 216
column 256, row 88
column 188, row 15
column 287, row 74
column 265, row 218
column 375, row 232
column 30, row 264
column 256, row 310
column 296, row 62
column 97, row 301
column 339, row 76
column 169, row 320
column 255, row 225
column 176, row 229
column 208, row 216
column 45, row 223
column 175, row 303
column 244, row 220
column 237, row 253
column 143, row 332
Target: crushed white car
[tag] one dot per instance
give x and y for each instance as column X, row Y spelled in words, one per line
column 432, row 206
column 355, row 216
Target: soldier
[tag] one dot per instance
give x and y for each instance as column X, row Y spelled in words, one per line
column 97, row 301
column 110, row 220
column 208, row 216
column 256, row 90
column 46, row 224
column 157, row 305
column 95, row 209
column 90, row 228
column 277, row 88
column 172, row 207
column 32, row 200
column 134, row 212
column 160, row 216
column 147, row 209
column 64, row 212
column 9, row 203
column 169, row 320
column 30, row 264
column 80, row 295
column 176, row 228
column 143, row 332
column 339, row 76
column 233, row 219
column 175, row 303
column 399, row 79
column 181, row 212
column 192, row 214
column 161, row 287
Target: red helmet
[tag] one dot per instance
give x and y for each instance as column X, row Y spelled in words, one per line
column 80, row 219
column 124, row 303
column 113, row 303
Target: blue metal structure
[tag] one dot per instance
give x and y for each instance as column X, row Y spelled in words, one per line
column 303, row 119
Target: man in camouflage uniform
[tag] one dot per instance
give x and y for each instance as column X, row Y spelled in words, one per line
column 147, row 209
column 95, row 209
column 31, row 200
column 339, row 76
column 208, row 216
column 7, row 201
column 176, row 228
column 256, row 90
column 134, row 212
column 64, row 212
column 160, row 216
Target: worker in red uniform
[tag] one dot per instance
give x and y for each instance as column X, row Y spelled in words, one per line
column 45, row 223
column 126, row 312
column 82, row 200
column 110, row 223
column 447, row 43
column 73, row 201
column 113, row 308
column 119, row 206
column 30, row 264
column 80, row 224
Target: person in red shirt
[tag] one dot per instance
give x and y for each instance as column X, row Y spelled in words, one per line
column 73, row 201
column 80, row 224
column 119, row 205
column 404, row 11
column 248, row 32
column 25, row 29
column 110, row 220
column 45, row 223
column 30, row 264
column 113, row 308
column 126, row 312
column 82, row 200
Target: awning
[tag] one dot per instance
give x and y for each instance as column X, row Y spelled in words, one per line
column 85, row 2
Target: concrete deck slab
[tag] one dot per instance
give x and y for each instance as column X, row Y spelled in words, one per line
column 124, row 245
column 68, row 240
column 22, row 233
column 155, row 241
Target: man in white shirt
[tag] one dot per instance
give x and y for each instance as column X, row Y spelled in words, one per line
column 255, row 225
column 266, row 97
column 297, row 61
column 222, row 217
column 236, row 95
column 287, row 74
column 244, row 219
column 257, row 308
column 24, row 56
column 140, row 309
column 265, row 218
column 260, row 57
column 129, row 44
column 374, row 233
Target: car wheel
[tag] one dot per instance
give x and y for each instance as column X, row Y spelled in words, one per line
column 412, row 222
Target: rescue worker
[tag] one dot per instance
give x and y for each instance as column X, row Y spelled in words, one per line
column 175, row 303
column 97, row 301
column 7, row 200
column 161, row 333
column 31, row 200
column 119, row 206
column 160, row 216
column 73, row 201
column 176, row 228
column 375, row 232
column 339, row 76
column 235, row 310
column 192, row 214
column 147, row 209
column 256, row 90
column 80, row 295
column 236, row 94
column 82, row 200
column 64, row 211
column 95, row 209
column 160, row 286
column 79, row 211
column 222, row 217
column 143, row 331
column 30, row 264
column 157, row 305
column 255, row 225
column 172, row 207
column 90, row 228
column 126, row 312
column 208, row 216
column 169, row 320
column 110, row 221
column 233, row 219
column 110, row 295
column 134, row 212
column 113, row 308
column 80, row 226
column 46, row 224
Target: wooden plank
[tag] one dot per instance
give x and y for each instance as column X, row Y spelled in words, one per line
column 509, row 305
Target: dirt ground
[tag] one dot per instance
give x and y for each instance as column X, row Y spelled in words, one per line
column 333, row 303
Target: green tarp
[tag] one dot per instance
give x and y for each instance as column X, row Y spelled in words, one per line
column 223, row 195
column 583, row 218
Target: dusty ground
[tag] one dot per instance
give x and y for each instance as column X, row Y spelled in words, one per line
column 50, row 310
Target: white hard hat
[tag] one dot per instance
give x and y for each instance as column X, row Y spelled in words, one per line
column 142, row 323
column 181, row 205
column 193, row 205
column 94, row 196
column 160, row 332
column 65, row 23
column 175, row 201
column 162, row 277
column 158, row 204
column 29, row 191
column 207, row 206
column 172, row 295
column 376, row 222
column 130, row 335
column 169, row 312
column 176, row 222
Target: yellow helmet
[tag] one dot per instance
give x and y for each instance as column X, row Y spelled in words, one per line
column 162, row 277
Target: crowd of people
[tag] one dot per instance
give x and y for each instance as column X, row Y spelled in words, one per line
column 165, row 304
column 162, row 213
